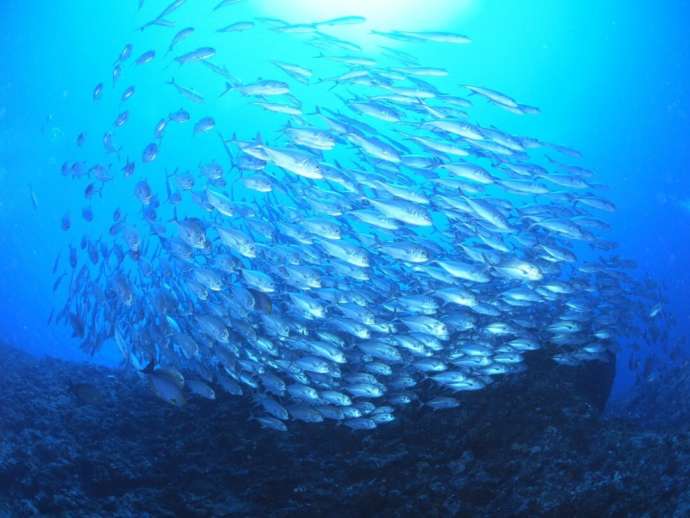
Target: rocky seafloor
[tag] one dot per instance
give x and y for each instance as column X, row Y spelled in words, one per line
column 535, row 444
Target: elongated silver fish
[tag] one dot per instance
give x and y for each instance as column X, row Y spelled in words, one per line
column 328, row 261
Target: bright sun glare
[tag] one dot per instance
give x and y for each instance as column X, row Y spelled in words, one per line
column 380, row 14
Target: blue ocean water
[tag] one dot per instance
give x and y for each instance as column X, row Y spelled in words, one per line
column 609, row 80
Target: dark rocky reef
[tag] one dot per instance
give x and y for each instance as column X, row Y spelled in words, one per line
column 534, row 444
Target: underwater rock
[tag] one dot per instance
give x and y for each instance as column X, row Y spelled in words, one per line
column 534, row 445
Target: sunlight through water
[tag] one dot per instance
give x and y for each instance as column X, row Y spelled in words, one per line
column 382, row 14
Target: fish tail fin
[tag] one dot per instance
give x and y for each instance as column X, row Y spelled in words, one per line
column 317, row 111
column 149, row 368
column 232, row 139
column 228, row 87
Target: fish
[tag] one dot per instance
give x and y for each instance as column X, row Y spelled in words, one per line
column 121, row 119
column 66, row 222
column 150, row 152
column 186, row 92
column 298, row 72
column 237, row 27
column 342, row 20
column 656, row 309
column 280, row 108
column 263, row 88
column 493, row 96
column 194, row 56
column 226, row 3
column 204, row 125
column 167, row 383
column 334, row 263
column 437, row 37
column 125, row 53
column 97, row 92
column 294, row 161
column 34, row 199
column 116, row 73
column 128, row 93
column 443, row 403
column 160, row 19
column 200, row 388
column 146, row 57
column 179, row 37
column 180, row 116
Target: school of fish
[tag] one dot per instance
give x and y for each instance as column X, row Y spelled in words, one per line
column 382, row 241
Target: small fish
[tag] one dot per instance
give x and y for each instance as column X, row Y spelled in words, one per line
column 656, row 309
column 160, row 128
column 34, row 199
column 126, row 52
column 204, row 125
column 186, row 92
column 146, row 57
column 380, row 249
column 443, row 403
column 180, row 116
column 121, row 119
column 128, row 168
column 97, row 92
column 225, row 3
column 65, row 223
column 200, row 54
column 167, row 383
column 117, row 72
column 263, row 88
column 237, row 27
column 87, row 214
column 183, row 34
column 343, row 20
column 298, row 72
column 160, row 20
column 150, row 153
